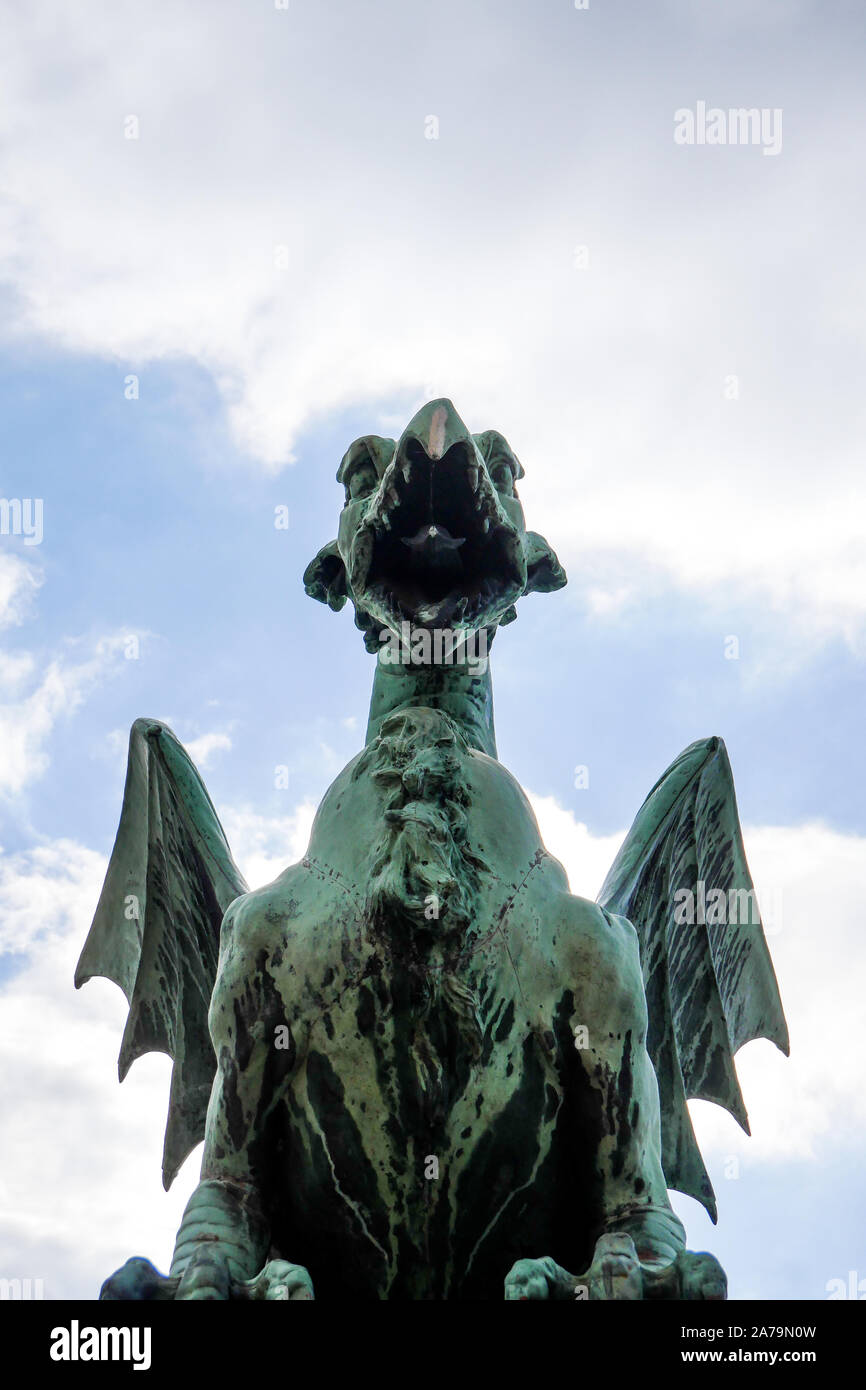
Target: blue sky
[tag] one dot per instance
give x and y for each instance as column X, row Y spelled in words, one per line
column 286, row 262
column 152, row 518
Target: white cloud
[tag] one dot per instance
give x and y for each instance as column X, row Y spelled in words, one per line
column 81, row 1187
column 42, row 891
column 585, row 857
column 262, row 846
column 416, row 267
column 18, row 584
column 202, row 749
column 31, row 703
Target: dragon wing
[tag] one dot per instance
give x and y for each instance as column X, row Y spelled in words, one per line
column 710, row 985
column 157, row 925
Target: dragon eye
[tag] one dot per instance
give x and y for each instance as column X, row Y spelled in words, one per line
column 503, row 479
column 362, row 482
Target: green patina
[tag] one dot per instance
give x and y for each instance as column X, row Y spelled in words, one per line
column 416, row 1056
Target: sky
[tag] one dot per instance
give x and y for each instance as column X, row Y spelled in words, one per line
column 233, row 238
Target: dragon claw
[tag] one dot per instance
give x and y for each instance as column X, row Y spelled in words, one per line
column 279, row 1281
column 138, row 1280
column 207, row 1279
column 618, row 1275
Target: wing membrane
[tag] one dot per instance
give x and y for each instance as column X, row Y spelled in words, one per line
column 708, row 976
column 157, row 924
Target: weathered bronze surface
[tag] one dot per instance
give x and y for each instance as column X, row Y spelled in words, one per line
column 416, row 1059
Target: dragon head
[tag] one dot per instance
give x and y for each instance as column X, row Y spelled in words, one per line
column 432, row 532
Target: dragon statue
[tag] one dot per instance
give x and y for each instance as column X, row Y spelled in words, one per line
column 416, row 1059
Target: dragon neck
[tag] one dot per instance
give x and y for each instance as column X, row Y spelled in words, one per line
column 462, row 691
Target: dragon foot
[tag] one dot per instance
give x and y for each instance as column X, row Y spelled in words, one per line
column 207, row 1279
column 617, row 1274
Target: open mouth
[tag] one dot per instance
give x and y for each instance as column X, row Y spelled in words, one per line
column 436, row 547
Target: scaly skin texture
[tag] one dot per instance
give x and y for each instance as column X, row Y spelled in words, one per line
column 540, row 1144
